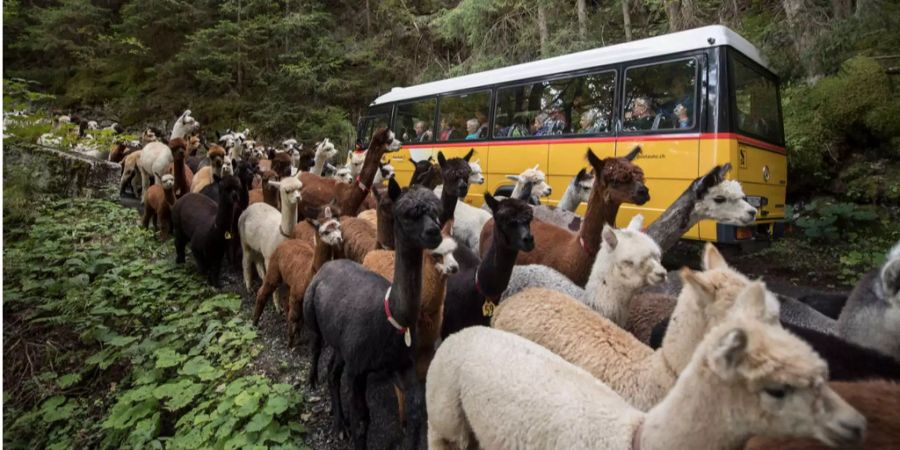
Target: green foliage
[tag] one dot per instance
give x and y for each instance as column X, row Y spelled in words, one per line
column 135, row 351
column 823, row 220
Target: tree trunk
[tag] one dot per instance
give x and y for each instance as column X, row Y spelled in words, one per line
column 582, row 19
column 542, row 29
column 368, row 20
column 797, row 16
column 841, row 9
column 626, row 20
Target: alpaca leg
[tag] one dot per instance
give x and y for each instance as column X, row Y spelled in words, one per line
column 294, row 312
column 316, row 353
column 165, row 226
column 401, row 405
column 125, row 181
column 359, row 411
column 247, row 268
column 335, row 372
column 413, row 397
column 145, row 219
column 145, row 183
column 180, row 244
column 213, row 272
column 270, row 283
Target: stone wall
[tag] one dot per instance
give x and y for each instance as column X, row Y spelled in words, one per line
column 61, row 172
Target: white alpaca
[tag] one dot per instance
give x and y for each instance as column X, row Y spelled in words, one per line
column 627, row 261
column 477, row 176
column 148, row 136
column 263, row 227
column 233, row 142
column 640, row 375
column 746, row 378
column 467, row 223
column 184, row 126
column 291, row 144
column 343, row 175
column 227, row 166
column 356, row 161
column 324, row 151
column 578, row 192
column 385, row 172
column 93, row 125
column 153, row 162
column 536, row 177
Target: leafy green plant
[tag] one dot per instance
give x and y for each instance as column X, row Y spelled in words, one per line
column 122, row 348
column 823, row 220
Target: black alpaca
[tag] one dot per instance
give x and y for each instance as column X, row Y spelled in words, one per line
column 244, row 171
column 455, row 174
column 846, row 360
column 425, row 173
column 471, row 290
column 357, row 323
column 207, row 226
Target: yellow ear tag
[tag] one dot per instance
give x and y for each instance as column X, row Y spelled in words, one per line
column 227, row 235
column 407, row 338
column 487, row 309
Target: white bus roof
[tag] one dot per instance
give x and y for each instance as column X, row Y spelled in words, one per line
column 682, row 41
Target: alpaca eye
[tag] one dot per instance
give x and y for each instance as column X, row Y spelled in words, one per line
column 628, row 263
column 778, row 392
column 719, row 199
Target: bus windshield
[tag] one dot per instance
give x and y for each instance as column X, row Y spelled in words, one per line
column 756, row 107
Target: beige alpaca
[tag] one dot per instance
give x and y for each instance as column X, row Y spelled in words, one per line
column 746, row 378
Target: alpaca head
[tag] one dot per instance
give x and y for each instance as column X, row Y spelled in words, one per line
column 288, row 189
column 245, row 171
column 426, row 173
column 455, row 172
column 216, row 155
column 512, row 223
column 633, row 257
column 385, row 171
column 328, row 227
column 290, row 145
column 539, row 186
column 443, row 258
column 477, row 176
column 93, row 125
column 281, row 164
column 325, row 150
column 168, row 181
column 582, row 184
column 384, row 141
column 227, row 166
column 773, row 380
column 230, row 189
column 179, row 148
column 619, row 179
column 720, row 199
column 185, row 125
column 148, row 136
column 416, row 217
column 356, row 162
column 343, row 175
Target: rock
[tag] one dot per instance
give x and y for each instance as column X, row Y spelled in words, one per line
column 61, row 172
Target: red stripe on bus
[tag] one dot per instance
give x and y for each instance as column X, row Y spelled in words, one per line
column 655, row 137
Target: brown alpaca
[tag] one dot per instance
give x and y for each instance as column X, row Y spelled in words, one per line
column 619, row 181
column 266, row 193
column 319, row 191
column 183, row 174
column 204, row 176
column 294, row 263
column 281, row 164
column 875, row 399
column 158, row 206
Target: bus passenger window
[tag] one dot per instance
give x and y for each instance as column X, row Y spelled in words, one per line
column 660, row 96
column 458, row 112
column 415, row 120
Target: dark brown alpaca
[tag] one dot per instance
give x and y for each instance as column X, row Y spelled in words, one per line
column 158, row 206
column 618, row 181
column 266, row 193
column 183, row 174
column 319, row 191
column 426, row 173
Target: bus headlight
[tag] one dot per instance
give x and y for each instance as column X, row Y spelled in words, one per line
column 757, row 201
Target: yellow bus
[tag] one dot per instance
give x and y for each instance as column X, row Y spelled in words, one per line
column 691, row 100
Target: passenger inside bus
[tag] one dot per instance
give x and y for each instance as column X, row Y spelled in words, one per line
column 641, row 116
column 472, row 127
column 423, row 131
column 447, row 130
column 681, row 116
column 482, row 124
column 590, row 122
column 538, row 127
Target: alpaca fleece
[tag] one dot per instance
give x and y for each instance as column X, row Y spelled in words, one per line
column 158, row 206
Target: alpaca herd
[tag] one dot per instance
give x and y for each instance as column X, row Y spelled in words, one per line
column 462, row 309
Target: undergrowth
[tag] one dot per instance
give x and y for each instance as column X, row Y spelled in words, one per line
column 108, row 344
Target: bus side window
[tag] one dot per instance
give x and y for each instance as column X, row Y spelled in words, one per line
column 660, row 96
column 464, row 117
column 414, row 121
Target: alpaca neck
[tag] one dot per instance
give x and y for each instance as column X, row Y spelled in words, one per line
column 366, row 176
column 406, row 291
column 696, row 413
column 170, row 196
column 319, row 166
column 601, row 210
column 674, row 221
column 605, row 293
column 686, row 328
column 270, row 195
column 496, row 267
column 448, row 204
column 323, row 254
column 569, row 200
column 225, row 219
column 181, row 187
column 288, row 216
column 385, row 231
column 517, row 191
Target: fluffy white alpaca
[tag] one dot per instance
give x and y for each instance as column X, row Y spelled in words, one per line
column 148, row 136
column 467, row 224
column 343, row 175
column 477, row 176
column 233, row 142
column 640, row 375
column 184, row 126
column 385, row 172
column 746, row 378
column 324, row 151
column 93, row 125
column 263, row 227
column 291, row 144
column 627, row 261
column 355, row 161
column 153, row 162
column 536, row 177
column 578, row 191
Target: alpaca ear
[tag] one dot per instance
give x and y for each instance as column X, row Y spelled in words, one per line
column 581, row 174
column 514, row 178
column 594, row 161
column 431, row 159
column 696, row 281
column 394, row 190
column 275, row 184
column 469, row 155
column 633, row 153
column 712, row 259
column 753, row 301
column 636, row 222
column 327, row 212
column 491, row 202
column 536, row 167
column 728, row 353
column 724, row 170
column 441, row 159
column 609, row 236
column 703, row 184
column 477, row 161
